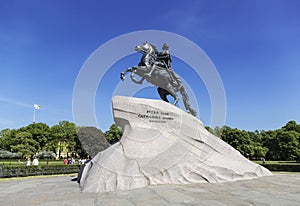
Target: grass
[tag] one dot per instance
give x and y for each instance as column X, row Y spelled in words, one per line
column 277, row 162
column 283, row 172
column 22, row 162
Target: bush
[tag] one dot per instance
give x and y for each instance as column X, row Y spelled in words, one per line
column 46, row 154
column 22, row 171
column 282, row 167
column 9, row 155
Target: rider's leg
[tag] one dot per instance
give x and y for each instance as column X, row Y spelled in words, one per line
column 153, row 67
column 151, row 70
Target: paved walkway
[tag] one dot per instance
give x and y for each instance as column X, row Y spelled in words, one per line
column 280, row 189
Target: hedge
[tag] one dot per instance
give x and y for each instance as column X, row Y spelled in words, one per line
column 23, row 171
column 283, row 167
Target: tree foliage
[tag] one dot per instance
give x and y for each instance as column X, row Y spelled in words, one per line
column 92, row 140
column 38, row 137
column 280, row 144
column 114, row 134
column 39, row 133
column 25, row 144
column 64, row 135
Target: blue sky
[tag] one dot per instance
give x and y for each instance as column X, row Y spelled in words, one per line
column 254, row 45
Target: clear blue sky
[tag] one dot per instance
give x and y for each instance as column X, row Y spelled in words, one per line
column 254, row 45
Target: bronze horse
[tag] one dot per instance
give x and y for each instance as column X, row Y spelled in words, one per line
column 166, row 80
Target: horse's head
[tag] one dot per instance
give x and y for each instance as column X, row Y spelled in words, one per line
column 146, row 48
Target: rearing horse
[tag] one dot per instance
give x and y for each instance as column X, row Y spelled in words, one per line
column 168, row 83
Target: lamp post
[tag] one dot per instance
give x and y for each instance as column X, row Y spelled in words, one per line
column 35, row 107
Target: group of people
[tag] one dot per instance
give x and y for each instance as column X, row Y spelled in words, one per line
column 69, row 161
column 72, row 161
column 35, row 162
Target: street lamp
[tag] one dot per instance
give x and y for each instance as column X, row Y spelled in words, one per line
column 35, row 107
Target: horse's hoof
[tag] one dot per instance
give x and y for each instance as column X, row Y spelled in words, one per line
column 122, row 77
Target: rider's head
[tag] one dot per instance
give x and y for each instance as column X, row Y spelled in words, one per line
column 165, row 46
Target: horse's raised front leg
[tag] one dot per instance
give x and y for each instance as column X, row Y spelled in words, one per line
column 122, row 75
column 133, row 77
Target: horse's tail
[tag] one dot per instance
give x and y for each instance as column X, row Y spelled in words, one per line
column 186, row 101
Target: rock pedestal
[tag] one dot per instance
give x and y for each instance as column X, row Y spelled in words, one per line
column 161, row 144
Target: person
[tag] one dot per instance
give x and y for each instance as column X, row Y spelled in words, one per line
column 72, row 161
column 65, row 161
column 35, row 161
column 164, row 60
column 165, row 56
column 28, row 162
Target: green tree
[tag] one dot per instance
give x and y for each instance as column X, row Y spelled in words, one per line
column 270, row 142
column 8, row 138
column 114, row 134
column 92, row 141
column 4, row 132
column 291, row 126
column 218, row 131
column 210, row 130
column 64, row 135
column 288, row 145
column 40, row 133
column 25, row 144
column 259, row 150
column 283, row 144
column 5, row 139
column 240, row 140
column 231, row 136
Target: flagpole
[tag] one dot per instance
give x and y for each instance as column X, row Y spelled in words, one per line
column 35, row 107
column 33, row 115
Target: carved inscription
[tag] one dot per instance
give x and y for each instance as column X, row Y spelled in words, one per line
column 156, row 116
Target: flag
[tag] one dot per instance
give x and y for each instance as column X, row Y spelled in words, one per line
column 36, row 106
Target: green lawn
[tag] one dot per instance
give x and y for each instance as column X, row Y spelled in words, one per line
column 277, row 162
column 22, row 162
